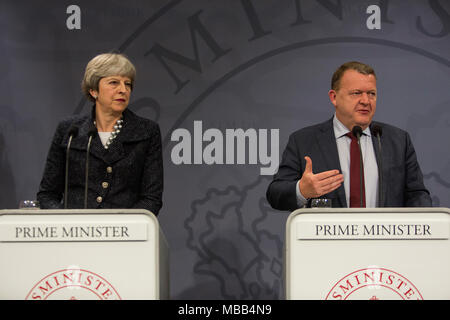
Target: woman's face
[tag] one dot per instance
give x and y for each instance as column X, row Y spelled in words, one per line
column 113, row 94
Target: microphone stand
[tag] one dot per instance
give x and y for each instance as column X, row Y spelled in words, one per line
column 377, row 131
column 73, row 131
column 91, row 133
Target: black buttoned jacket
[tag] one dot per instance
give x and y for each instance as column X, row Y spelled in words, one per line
column 127, row 175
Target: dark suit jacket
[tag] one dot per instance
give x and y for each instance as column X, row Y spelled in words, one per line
column 132, row 167
column 401, row 175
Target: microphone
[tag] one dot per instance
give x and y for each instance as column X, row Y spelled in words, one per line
column 378, row 131
column 73, row 132
column 92, row 131
column 357, row 132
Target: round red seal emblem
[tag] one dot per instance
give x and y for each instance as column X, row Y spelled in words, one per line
column 374, row 284
column 73, row 284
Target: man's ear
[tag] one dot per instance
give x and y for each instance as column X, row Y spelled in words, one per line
column 332, row 95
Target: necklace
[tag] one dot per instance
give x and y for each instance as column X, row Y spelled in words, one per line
column 114, row 134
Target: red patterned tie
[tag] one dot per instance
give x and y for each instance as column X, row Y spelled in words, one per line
column 355, row 159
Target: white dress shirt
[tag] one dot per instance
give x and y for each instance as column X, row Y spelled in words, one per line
column 104, row 136
column 369, row 162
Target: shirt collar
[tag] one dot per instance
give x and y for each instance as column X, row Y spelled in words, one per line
column 341, row 130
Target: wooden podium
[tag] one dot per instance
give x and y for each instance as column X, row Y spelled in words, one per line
column 82, row 254
column 382, row 253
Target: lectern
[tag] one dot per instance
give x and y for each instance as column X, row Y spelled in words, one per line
column 378, row 254
column 82, row 254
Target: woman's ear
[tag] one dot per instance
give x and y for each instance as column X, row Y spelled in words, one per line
column 93, row 93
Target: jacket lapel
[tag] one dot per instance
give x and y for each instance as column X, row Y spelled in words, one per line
column 80, row 142
column 133, row 130
column 381, row 173
column 326, row 141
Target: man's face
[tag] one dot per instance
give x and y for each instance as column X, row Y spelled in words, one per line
column 356, row 99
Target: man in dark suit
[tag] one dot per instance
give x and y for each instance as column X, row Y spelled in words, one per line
column 316, row 162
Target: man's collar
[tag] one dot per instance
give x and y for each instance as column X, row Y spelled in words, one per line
column 341, row 130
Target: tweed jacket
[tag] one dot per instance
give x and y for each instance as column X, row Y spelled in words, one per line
column 127, row 175
column 401, row 175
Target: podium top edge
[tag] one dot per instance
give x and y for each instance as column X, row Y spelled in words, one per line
column 393, row 210
column 75, row 212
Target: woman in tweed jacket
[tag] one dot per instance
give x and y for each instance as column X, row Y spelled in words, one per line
column 125, row 157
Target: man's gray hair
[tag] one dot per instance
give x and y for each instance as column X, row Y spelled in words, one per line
column 352, row 65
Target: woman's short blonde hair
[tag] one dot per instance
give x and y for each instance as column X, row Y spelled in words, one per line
column 106, row 65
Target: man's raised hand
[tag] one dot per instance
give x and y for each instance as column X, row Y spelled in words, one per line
column 315, row 185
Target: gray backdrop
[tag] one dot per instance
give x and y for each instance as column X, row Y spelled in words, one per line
column 230, row 64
